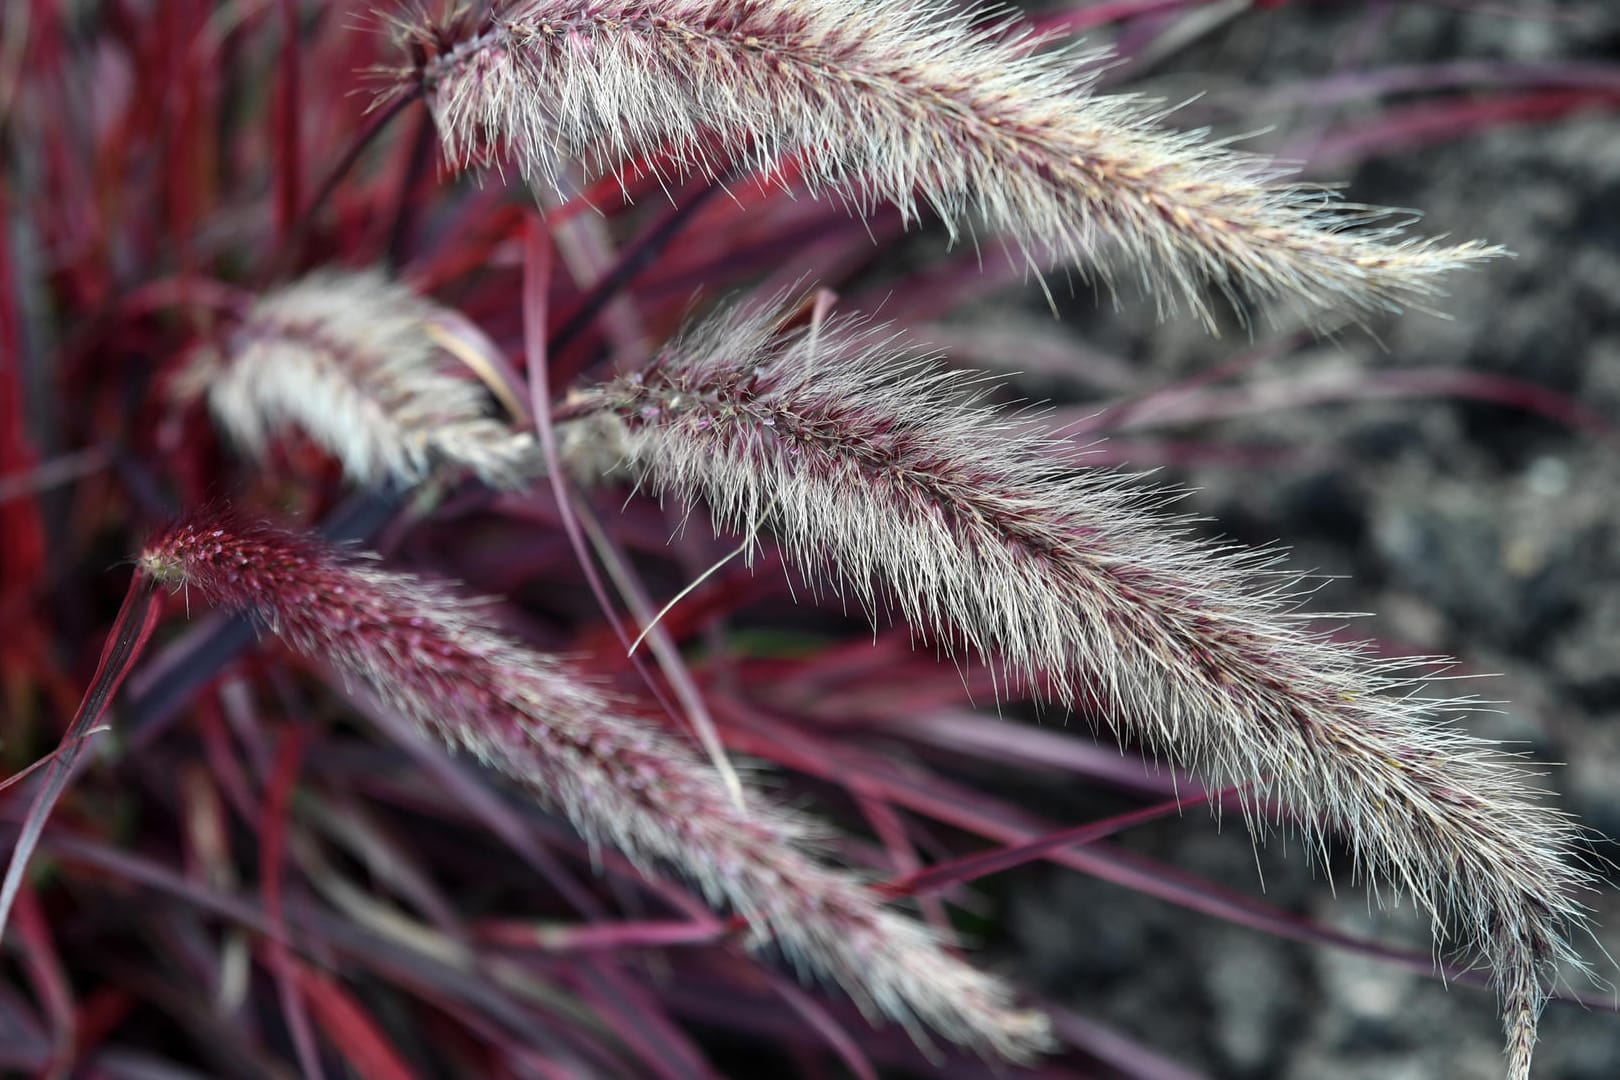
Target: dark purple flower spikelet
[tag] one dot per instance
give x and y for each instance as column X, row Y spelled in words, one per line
column 430, row 655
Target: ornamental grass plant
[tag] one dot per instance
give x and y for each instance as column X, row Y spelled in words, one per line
column 571, row 607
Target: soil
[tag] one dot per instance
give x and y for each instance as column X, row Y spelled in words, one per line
column 1474, row 530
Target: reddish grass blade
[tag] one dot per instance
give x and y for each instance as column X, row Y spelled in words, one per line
column 1308, row 390
column 305, row 222
column 24, row 1046
column 748, row 731
column 131, row 629
column 637, row 1020
column 287, row 121
column 1077, row 19
column 971, row 867
column 478, row 802
column 826, row 1025
column 485, row 1005
column 1024, row 746
column 22, row 524
column 272, row 847
column 1113, row 1049
column 173, row 147
column 635, row 258
column 536, row 282
column 1422, row 125
column 44, row 965
column 537, row 256
column 99, row 1014
column 349, row 1027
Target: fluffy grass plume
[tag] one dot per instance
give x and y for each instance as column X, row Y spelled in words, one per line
column 432, row 656
column 919, row 104
column 360, row 365
column 957, row 514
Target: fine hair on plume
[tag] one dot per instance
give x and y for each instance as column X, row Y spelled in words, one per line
column 377, row 336
column 876, row 464
column 371, row 371
column 867, row 459
column 918, row 104
column 431, row 655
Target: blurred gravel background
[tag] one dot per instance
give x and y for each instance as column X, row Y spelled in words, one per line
column 1474, row 530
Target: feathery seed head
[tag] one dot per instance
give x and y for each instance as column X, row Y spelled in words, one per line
column 620, row 780
column 920, row 105
column 881, row 469
column 353, row 361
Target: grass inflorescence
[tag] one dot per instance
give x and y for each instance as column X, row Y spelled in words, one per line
column 326, row 380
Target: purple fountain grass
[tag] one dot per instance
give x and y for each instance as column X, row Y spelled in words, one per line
column 432, row 656
column 886, row 470
column 364, row 367
column 154, row 316
column 916, row 104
